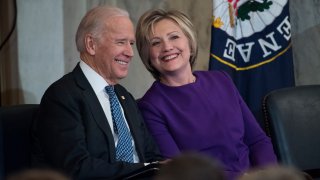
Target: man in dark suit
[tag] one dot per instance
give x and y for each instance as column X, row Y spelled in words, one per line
column 75, row 127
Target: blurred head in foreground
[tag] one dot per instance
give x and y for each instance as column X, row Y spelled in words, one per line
column 277, row 172
column 38, row 174
column 191, row 166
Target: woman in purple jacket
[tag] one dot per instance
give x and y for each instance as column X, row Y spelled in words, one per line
column 198, row 111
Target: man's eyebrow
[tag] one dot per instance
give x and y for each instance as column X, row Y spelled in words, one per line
column 125, row 39
column 121, row 39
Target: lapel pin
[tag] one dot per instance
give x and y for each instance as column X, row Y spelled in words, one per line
column 122, row 97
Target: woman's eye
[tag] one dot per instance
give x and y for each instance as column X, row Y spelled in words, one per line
column 174, row 37
column 155, row 43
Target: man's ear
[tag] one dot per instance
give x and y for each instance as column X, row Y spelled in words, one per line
column 90, row 44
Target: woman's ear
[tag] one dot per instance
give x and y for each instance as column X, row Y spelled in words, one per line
column 90, row 44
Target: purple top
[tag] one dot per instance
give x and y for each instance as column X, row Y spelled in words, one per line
column 210, row 117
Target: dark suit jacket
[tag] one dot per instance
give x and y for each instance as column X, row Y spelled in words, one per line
column 74, row 134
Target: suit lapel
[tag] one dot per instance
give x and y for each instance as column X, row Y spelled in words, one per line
column 92, row 101
column 97, row 112
column 124, row 100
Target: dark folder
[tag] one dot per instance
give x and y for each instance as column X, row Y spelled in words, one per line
column 144, row 173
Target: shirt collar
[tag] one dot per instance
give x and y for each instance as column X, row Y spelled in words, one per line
column 96, row 81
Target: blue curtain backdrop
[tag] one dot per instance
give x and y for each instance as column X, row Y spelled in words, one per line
column 251, row 40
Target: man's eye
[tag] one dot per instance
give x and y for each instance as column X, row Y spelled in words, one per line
column 120, row 42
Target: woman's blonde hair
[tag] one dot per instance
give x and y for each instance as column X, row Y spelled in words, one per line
column 145, row 27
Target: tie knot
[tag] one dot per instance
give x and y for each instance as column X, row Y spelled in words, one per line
column 110, row 90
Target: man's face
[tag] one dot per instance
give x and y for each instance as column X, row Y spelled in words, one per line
column 114, row 49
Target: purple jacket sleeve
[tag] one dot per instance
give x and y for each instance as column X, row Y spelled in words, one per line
column 159, row 130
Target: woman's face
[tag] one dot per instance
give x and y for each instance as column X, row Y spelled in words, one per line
column 169, row 48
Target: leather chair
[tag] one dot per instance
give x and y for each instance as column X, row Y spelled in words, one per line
column 15, row 138
column 292, row 119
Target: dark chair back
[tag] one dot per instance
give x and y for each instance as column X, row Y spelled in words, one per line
column 15, row 137
column 293, row 122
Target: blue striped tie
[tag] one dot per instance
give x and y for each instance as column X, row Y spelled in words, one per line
column 124, row 149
